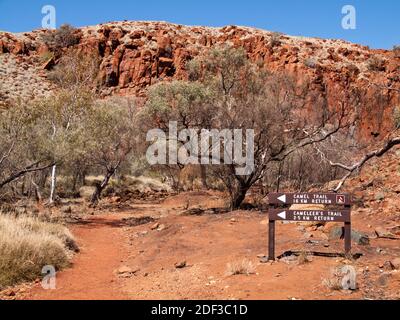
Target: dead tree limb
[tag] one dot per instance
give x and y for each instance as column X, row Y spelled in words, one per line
column 7, row 154
column 377, row 153
column 380, row 86
column 31, row 168
column 312, row 138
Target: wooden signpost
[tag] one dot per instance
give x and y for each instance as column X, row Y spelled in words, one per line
column 283, row 213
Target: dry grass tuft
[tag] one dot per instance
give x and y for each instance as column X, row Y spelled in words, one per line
column 396, row 50
column 332, row 283
column 303, row 258
column 375, row 63
column 28, row 244
column 337, row 276
column 240, row 267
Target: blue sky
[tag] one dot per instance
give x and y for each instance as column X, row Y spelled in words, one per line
column 378, row 21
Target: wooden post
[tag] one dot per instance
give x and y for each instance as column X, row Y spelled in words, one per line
column 271, row 235
column 271, row 240
column 347, row 235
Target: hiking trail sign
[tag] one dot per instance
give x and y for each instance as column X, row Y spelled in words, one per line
column 278, row 212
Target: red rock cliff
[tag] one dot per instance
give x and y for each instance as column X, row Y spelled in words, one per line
column 136, row 55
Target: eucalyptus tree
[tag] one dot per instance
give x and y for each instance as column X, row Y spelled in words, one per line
column 226, row 90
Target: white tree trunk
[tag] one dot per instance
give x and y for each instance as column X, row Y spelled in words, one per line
column 53, row 184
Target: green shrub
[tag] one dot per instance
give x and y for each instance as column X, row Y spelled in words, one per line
column 64, row 37
column 275, row 39
column 376, row 64
column 396, row 50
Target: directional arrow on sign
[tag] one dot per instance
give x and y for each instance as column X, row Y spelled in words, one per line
column 310, row 215
column 282, row 198
column 282, row 215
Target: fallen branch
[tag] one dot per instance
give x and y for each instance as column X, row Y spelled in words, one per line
column 319, row 254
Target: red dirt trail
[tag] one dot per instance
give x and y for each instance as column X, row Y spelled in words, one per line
column 208, row 244
column 92, row 275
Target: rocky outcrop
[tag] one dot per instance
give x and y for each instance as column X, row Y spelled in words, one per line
column 135, row 55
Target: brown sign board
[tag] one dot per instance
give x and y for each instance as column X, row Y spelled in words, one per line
column 310, row 215
column 279, row 210
column 309, row 198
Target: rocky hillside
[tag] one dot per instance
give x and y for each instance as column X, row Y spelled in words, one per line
column 376, row 187
column 136, row 55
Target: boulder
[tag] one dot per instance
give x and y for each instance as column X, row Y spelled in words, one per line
column 359, row 238
column 180, row 265
column 19, row 48
column 48, row 64
column 388, row 266
column 384, row 233
column 124, row 269
column 155, row 226
column 336, row 233
column 126, row 272
column 379, row 196
column 396, row 263
column 356, row 236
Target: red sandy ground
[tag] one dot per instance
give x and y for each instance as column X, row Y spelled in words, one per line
column 208, row 243
column 91, row 277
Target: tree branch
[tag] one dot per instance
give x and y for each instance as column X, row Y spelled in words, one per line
column 377, row 153
column 312, row 138
column 7, row 154
column 28, row 169
column 385, row 87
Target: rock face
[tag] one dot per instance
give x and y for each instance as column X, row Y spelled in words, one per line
column 135, row 55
